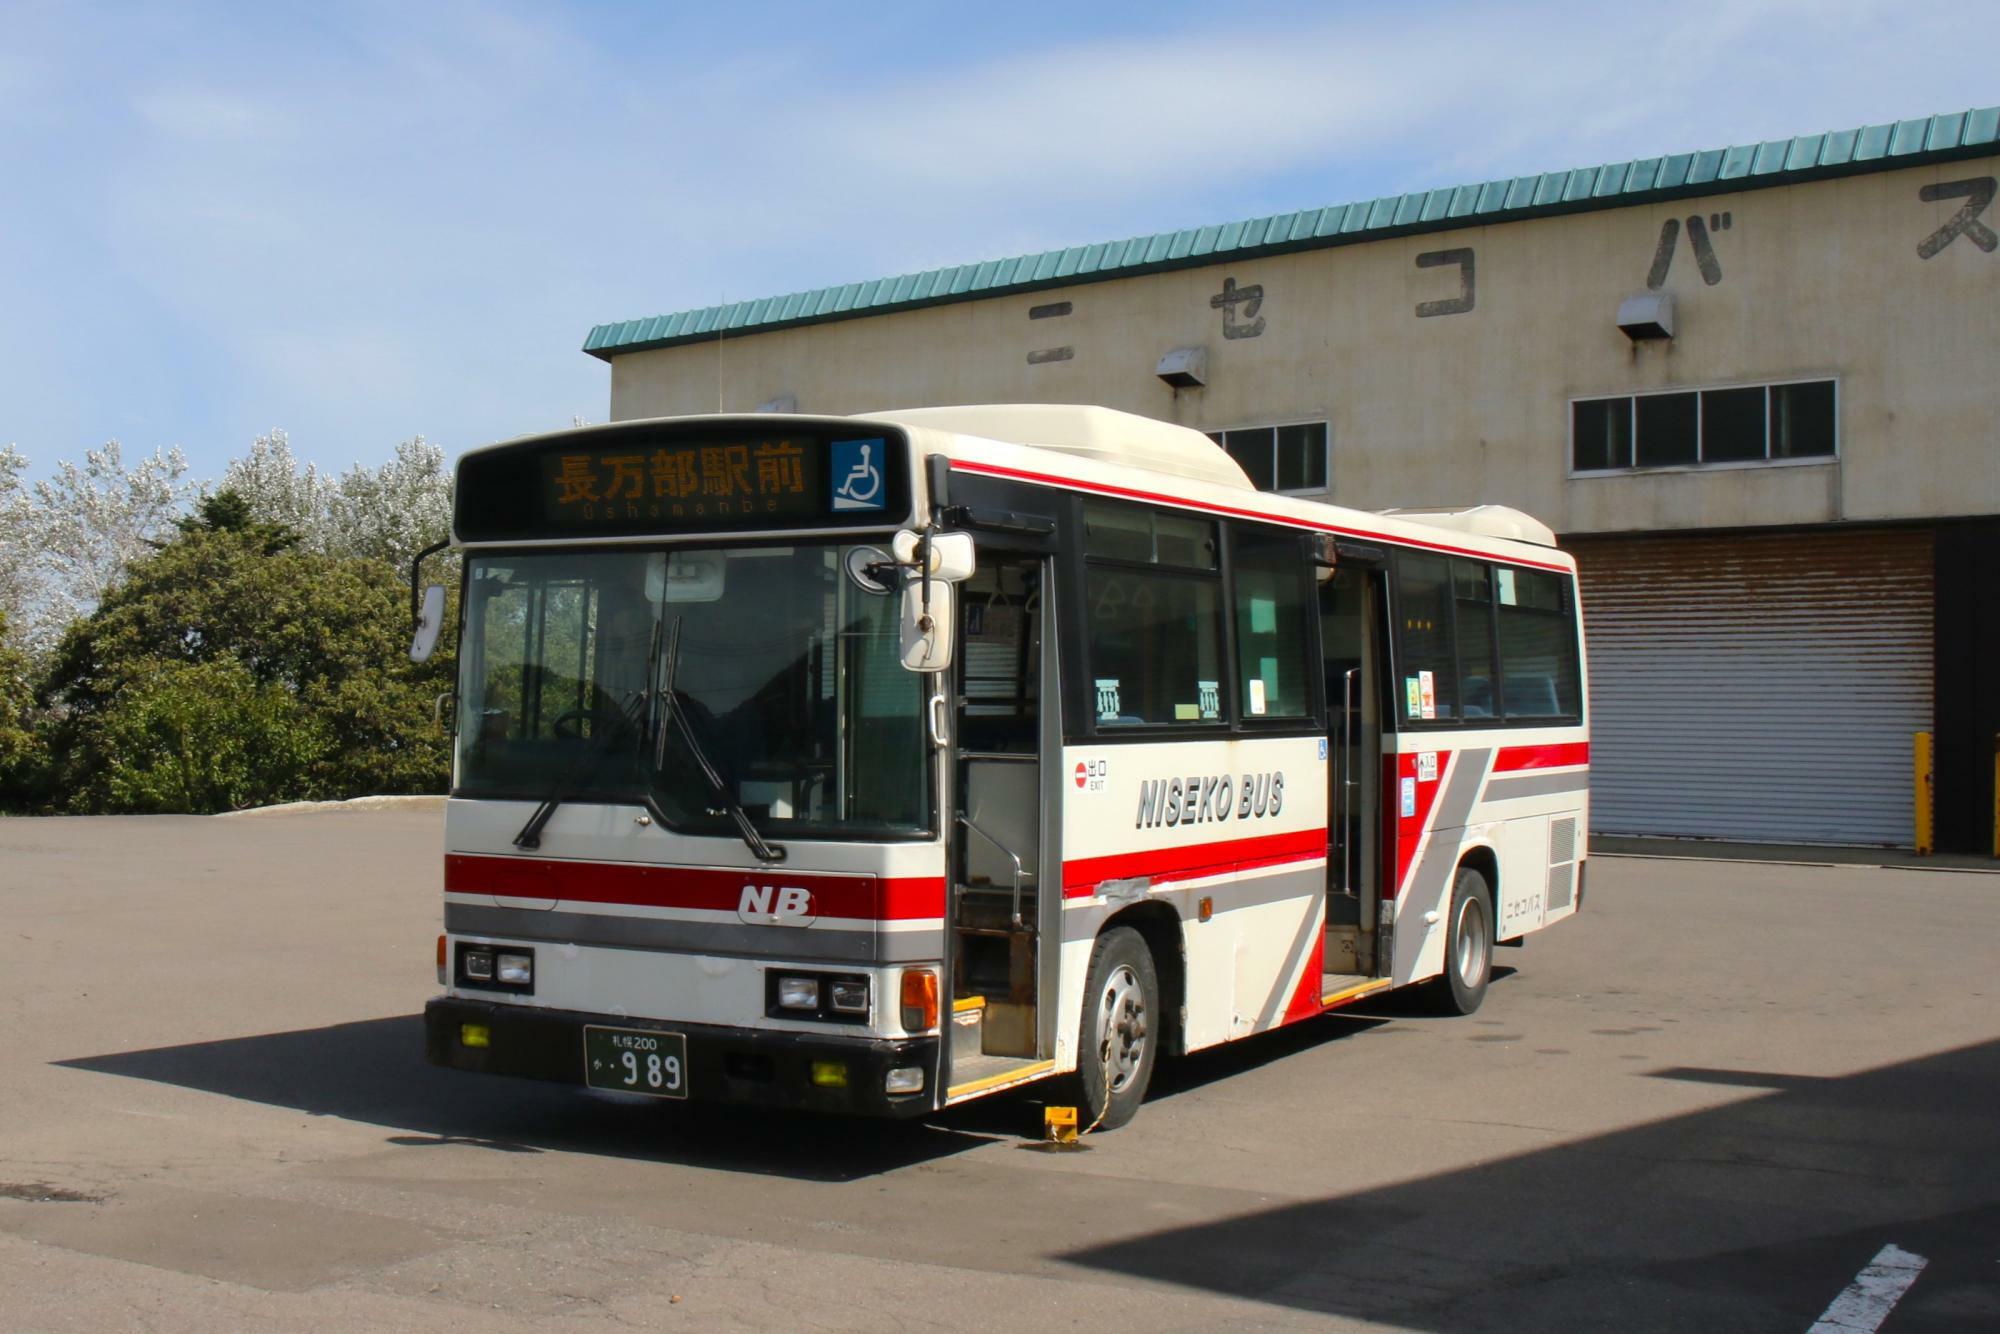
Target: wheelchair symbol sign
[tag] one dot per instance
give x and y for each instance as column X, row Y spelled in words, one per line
column 857, row 474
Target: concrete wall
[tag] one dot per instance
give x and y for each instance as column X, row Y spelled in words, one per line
column 1818, row 279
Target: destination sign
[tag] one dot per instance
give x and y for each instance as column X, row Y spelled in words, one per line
column 682, row 482
column 680, row 477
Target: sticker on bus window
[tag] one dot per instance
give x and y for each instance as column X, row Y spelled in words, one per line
column 1257, row 694
column 1186, row 713
column 1107, row 699
column 1409, row 786
column 1505, row 579
column 1427, row 688
column 1413, row 697
column 1210, row 695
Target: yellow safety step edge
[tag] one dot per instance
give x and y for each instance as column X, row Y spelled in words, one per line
column 1355, row 992
column 1016, row 1076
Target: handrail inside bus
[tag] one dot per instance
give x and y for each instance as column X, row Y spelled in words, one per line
column 1006, row 852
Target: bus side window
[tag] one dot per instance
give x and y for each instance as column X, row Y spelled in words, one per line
column 1153, row 605
column 1155, row 647
column 1538, row 644
column 1273, row 606
column 1478, row 675
column 1426, row 658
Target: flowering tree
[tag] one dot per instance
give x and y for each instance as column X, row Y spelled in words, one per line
column 394, row 511
column 389, row 513
column 280, row 490
column 88, row 524
column 17, row 542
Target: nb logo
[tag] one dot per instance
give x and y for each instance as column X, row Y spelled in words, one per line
column 776, row 905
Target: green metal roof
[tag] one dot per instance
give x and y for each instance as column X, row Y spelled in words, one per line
column 1615, row 185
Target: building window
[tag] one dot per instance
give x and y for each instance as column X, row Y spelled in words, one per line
column 1279, row 458
column 1693, row 428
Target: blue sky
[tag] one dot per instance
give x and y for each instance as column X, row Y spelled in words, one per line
column 363, row 222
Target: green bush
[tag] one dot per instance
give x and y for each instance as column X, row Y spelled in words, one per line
column 22, row 752
column 205, row 736
column 230, row 668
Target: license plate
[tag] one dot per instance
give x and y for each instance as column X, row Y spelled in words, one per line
column 635, row 1060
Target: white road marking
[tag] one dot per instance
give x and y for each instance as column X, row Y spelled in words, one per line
column 1866, row 1303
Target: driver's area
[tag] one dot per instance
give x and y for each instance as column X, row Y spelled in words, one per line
column 723, row 686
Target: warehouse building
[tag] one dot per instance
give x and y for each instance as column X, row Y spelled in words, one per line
column 1755, row 389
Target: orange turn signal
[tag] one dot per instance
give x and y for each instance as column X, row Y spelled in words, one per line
column 920, row 1000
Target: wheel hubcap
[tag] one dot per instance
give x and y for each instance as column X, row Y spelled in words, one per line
column 1472, row 948
column 1121, row 1027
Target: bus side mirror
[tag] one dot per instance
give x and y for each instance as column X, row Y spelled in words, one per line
column 952, row 557
column 430, row 622
column 927, row 633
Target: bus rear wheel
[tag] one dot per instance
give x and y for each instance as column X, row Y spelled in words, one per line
column 1119, row 1037
column 1468, row 945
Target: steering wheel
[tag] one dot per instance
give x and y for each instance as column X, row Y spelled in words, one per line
column 569, row 724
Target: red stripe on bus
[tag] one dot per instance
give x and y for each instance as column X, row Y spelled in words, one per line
column 852, row 897
column 1211, row 507
column 1408, row 829
column 1082, row 876
column 1563, row 755
column 1305, row 1001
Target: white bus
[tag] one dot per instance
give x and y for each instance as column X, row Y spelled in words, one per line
column 875, row 764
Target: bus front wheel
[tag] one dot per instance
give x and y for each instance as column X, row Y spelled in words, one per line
column 1468, row 945
column 1120, row 1030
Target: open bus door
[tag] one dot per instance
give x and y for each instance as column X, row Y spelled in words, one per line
column 1001, row 966
column 1352, row 645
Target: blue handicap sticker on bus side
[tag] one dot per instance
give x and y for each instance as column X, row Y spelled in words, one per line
column 856, row 475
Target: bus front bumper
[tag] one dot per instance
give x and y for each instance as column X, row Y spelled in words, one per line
column 736, row 1065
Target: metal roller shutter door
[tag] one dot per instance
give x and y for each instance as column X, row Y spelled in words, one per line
column 1759, row 688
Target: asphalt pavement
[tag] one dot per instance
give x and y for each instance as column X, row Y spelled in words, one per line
column 1708, row 1103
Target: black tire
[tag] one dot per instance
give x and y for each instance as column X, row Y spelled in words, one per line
column 1468, row 945
column 1123, row 989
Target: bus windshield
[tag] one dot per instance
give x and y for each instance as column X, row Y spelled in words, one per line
column 787, row 674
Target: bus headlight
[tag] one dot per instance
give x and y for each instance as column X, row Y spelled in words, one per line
column 798, row 993
column 496, row 968
column 904, row 1079
column 850, row 997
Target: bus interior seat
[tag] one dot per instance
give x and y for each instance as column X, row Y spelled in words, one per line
column 1532, row 695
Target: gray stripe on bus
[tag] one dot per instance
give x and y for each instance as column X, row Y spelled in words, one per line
column 1536, row 785
column 730, row 939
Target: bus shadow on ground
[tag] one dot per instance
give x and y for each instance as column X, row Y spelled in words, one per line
column 1751, row 1215
column 373, row 1071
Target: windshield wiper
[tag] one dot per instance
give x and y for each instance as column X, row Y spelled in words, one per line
column 766, row 852
column 627, row 716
